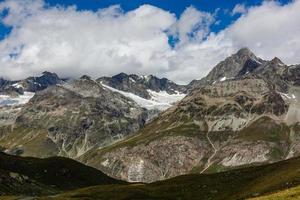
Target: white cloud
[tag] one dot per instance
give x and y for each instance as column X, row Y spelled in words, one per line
column 239, row 9
column 109, row 41
column 72, row 42
column 269, row 30
column 194, row 22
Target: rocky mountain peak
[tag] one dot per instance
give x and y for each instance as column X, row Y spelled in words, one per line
column 245, row 52
column 85, row 77
column 242, row 56
column 3, row 81
column 47, row 73
column 238, row 64
column 140, row 85
column 277, row 61
column 121, row 76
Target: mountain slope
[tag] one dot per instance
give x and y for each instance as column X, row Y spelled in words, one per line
column 287, row 194
column 140, row 85
column 70, row 119
column 235, row 184
column 16, row 93
column 149, row 92
column 32, row 176
column 243, row 62
column 227, row 124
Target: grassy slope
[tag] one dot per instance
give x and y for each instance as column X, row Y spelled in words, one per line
column 288, row 194
column 236, row 184
column 57, row 173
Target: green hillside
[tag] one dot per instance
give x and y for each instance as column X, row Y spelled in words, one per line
column 235, row 184
column 33, row 176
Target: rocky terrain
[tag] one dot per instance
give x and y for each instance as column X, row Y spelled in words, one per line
column 149, row 92
column 247, row 119
column 69, row 119
column 239, row 64
column 31, row 84
column 140, row 85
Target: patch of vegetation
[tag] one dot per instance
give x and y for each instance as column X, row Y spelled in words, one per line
column 276, row 153
column 160, row 128
column 265, row 129
column 58, row 173
column 288, row 194
column 216, row 168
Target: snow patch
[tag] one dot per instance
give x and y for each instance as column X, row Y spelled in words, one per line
column 285, row 96
column 147, row 77
column 17, row 85
column 159, row 100
column 223, row 79
column 257, row 61
column 288, row 96
column 6, row 100
column 132, row 80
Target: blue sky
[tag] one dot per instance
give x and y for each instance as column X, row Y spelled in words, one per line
column 181, row 41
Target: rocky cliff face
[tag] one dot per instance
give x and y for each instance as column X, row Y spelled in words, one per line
column 243, row 62
column 249, row 119
column 149, row 92
column 139, row 85
column 70, row 119
column 31, row 84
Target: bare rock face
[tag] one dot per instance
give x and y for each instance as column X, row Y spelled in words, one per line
column 30, row 84
column 157, row 160
column 239, row 64
column 139, row 85
column 70, row 119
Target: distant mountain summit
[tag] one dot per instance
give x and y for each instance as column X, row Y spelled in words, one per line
column 149, row 91
column 31, row 84
column 238, row 64
column 140, row 85
column 21, row 91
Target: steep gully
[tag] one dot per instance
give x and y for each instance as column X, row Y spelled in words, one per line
column 209, row 161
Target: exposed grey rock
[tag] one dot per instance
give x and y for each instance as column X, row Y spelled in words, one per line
column 72, row 118
column 140, row 84
column 243, row 62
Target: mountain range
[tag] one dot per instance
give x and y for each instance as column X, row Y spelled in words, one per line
column 245, row 113
column 248, row 119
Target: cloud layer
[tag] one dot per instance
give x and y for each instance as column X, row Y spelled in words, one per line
column 72, row 42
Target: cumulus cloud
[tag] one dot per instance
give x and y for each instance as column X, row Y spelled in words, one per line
column 108, row 41
column 72, row 42
column 239, row 9
column 192, row 25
